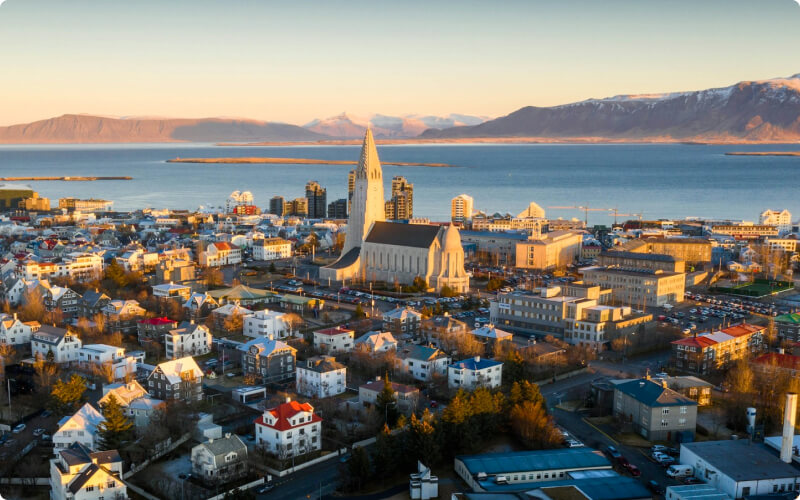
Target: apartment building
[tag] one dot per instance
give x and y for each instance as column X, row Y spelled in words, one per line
column 475, row 372
column 189, row 339
column 291, row 429
column 554, row 250
column 461, row 208
column 320, row 377
column 336, row 339
column 77, row 266
column 271, row 249
column 655, row 411
column 713, row 351
column 788, row 327
column 782, row 219
column 402, row 321
column 106, row 357
column 746, row 231
column 177, row 379
column 220, row 253
column 265, row 323
column 693, row 251
column 268, row 359
column 638, row 287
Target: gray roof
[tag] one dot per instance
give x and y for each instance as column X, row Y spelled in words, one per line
column 657, row 257
column 742, row 460
column 405, row 235
column 223, row 446
column 347, row 259
column 652, row 394
column 50, row 334
column 698, row 491
column 523, row 461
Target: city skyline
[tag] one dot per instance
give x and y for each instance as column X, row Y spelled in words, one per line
column 295, row 63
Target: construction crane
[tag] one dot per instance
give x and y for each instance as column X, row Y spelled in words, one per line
column 617, row 214
column 586, row 210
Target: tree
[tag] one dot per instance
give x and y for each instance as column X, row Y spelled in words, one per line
column 423, row 442
column 67, row 397
column 358, row 468
column 272, row 267
column 46, row 373
column 33, row 306
column 359, row 312
column 116, row 429
column 233, row 323
column 531, row 424
column 385, row 459
column 419, row 284
column 386, row 402
column 446, row 291
column 116, row 274
column 214, row 277
column 494, row 284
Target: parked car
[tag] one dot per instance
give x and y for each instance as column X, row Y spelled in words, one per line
column 676, row 471
column 692, row 480
column 574, row 443
column 658, row 448
column 655, row 487
column 631, row 469
column 612, row 452
column 18, row 429
column 38, row 432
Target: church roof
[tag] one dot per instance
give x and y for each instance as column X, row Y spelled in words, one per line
column 347, row 259
column 404, row 235
column 369, row 161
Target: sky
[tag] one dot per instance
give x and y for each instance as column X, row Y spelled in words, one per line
column 293, row 61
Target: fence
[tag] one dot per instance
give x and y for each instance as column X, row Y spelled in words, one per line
column 138, row 468
column 243, row 487
column 26, row 481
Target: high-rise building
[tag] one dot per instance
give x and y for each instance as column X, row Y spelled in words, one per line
column 782, row 219
column 276, row 205
column 461, row 208
column 297, row 206
column 337, row 209
column 401, row 204
column 317, row 197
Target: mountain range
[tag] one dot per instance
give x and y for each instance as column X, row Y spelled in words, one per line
column 388, row 127
column 752, row 111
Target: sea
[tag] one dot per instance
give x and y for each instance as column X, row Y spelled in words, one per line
column 654, row 180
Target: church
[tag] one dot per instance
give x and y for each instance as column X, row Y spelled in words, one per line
column 377, row 250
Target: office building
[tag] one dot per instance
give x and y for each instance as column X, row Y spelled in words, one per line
column 276, row 205
column 638, row 288
column 297, row 207
column 317, row 197
column 554, row 250
column 401, row 204
column 337, row 209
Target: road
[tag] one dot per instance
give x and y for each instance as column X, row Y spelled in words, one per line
column 316, row 481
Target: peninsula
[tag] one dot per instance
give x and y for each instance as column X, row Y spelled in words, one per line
column 299, row 161
column 763, row 153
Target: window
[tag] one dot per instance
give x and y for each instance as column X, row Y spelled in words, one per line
column 665, row 411
column 683, row 410
column 664, row 423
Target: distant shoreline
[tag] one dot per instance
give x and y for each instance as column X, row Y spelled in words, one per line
column 68, row 178
column 688, row 141
column 300, row 161
column 763, row 153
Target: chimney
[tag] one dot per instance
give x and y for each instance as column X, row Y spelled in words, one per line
column 789, row 416
column 477, row 359
column 288, row 399
column 15, row 316
column 271, row 336
column 227, row 435
column 780, row 349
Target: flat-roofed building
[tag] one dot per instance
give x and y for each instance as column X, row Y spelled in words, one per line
column 693, row 251
column 636, row 260
column 554, row 250
column 638, row 287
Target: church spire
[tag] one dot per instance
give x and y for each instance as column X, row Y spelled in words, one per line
column 369, row 165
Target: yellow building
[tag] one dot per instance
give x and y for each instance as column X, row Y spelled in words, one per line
column 35, row 204
column 554, row 250
column 638, row 288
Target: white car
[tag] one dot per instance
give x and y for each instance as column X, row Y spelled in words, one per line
column 574, row 443
column 19, row 428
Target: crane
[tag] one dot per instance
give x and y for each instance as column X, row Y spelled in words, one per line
column 617, row 214
column 586, row 210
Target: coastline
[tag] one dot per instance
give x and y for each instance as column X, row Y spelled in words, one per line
column 763, row 153
column 299, row 161
column 68, row 178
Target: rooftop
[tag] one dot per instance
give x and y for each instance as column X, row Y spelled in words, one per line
column 534, row 460
column 406, row 235
column 652, row 394
column 742, row 460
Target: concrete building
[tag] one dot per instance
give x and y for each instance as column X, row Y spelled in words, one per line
column 461, row 208
column 11, row 195
column 694, row 388
column 268, row 359
column 88, row 205
column 220, row 253
column 337, row 209
column 336, row 339
column 713, row 351
column 401, row 204
column 276, row 204
column 637, row 287
column 406, row 396
column 271, row 249
column 402, row 321
column 317, row 197
column 264, row 323
column 473, row 373
column 694, row 492
column 554, row 250
column 423, row 485
column 423, row 362
column 320, row 377
column 291, row 429
column 637, row 260
column 495, row 247
column 693, row 251
column 189, row 339
column 107, row 359
column 78, row 473
column 782, row 219
column 655, row 411
column 787, row 327
column 297, row 207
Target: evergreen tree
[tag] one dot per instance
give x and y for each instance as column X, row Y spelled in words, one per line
column 423, row 440
column 272, row 267
column 358, row 468
column 67, row 397
column 386, row 402
column 116, row 273
column 359, row 312
column 386, row 454
column 116, row 429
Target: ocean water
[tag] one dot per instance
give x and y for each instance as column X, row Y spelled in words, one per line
column 663, row 180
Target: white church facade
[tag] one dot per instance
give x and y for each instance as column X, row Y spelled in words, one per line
column 376, row 250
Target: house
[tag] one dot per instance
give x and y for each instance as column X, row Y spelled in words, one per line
column 777, row 362
column 220, row 253
column 199, row 305
column 219, row 461
column 713, row 351
column 320, row 377
column 57, row 298
column 423, row 362
column 189, row 339
column 123, row 316
column 136, row 403
column 243, row 295
column 377, row 341
column 491, row 336
column 336, row 339
column 171, row 290
column 301, row 305
column 141, row 410
column 402, row 321
column 788, row 327
column 106, row 359
column 227, row 317
column 740, row 468
column 475, row 372
column 406, row 396
column 687, row 385
column 56, row 344
column 431, row 330
column 176, row 379
column 655, row 411
column 269, row 359
column 291, row 429
column 92, row 303
column 271, row 249
column 78, row 428
column 265, row 322
column 154, row 328
column 78, row 473
column 175, row 271
column 526, row 467
column 15, row 332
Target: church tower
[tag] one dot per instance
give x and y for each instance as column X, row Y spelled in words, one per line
column 368, row 203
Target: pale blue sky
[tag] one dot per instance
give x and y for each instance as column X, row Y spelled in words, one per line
column 297, row 60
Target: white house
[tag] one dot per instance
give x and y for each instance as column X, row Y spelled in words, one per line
column 101, row 355
column 271, row 249
column 475, row 372
column 265, row 323
column 77, row 473
column 220, row 253
column 422, row 362
column 63, row 344
column 220, row 460
column 189, row 339
column 377, row 341
column 336, row 339
column 13, row 331
column 290, row 429
column 79, row 428
column 320, row 376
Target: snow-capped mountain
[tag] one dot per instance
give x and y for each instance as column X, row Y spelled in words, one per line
column 758, row 111
column 350, row 126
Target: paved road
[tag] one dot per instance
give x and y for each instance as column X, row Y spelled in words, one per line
column 314, row 482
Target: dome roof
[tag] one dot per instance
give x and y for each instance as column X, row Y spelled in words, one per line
column 452, row 239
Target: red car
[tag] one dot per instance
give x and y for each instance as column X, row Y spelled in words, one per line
column 632, row 469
